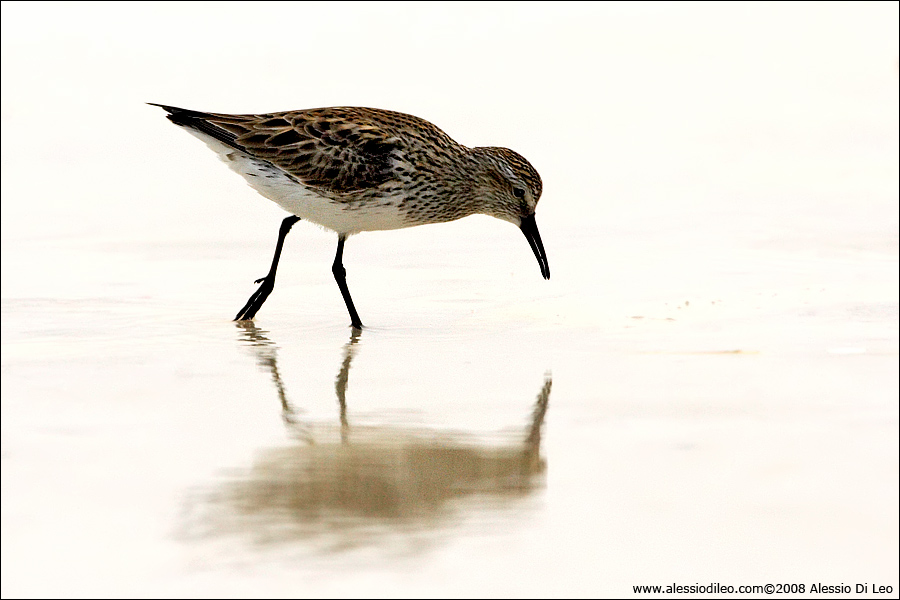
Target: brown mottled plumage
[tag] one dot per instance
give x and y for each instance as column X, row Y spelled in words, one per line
column 366, row 169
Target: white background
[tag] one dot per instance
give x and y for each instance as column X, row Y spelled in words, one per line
column 720, row 216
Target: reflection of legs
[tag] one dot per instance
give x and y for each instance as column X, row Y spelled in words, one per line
column 266, row 358
column 340, row 275
column 340, row 384
column 268, row 282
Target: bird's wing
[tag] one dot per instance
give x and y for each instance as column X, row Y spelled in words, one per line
column 335, row 150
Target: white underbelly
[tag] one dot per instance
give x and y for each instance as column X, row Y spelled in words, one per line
column 343, row 217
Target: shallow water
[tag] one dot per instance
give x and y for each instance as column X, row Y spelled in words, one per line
column 545, row 438
column 705, row 391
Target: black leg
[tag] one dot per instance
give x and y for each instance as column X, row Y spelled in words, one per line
column 268, row 282
column 340, row 275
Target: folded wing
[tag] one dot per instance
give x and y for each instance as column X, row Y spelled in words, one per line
column 337, row 152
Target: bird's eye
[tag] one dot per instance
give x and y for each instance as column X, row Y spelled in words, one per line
column 518, row 193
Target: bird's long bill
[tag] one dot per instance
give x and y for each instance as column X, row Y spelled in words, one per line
column 529, row 228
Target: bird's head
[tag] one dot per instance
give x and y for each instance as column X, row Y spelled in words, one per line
column 510, row 189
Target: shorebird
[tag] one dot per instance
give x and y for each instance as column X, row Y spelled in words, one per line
column 355, row 169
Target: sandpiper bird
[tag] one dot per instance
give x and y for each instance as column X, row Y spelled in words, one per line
column 365, row 169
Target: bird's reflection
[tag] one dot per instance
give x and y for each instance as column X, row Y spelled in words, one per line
column 340, row 384
column 348, row 484
column 266, row 357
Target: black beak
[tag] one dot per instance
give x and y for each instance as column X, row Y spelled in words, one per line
column 529, row 228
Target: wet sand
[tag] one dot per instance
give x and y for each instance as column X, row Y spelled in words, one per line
column 705, row 391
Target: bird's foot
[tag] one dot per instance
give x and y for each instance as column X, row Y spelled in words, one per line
column 256, row 300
